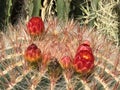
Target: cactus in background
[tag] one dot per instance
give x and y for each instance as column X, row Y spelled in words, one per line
column 5, row 12
column 101, row 14
column 81, row 45
column 63, row 9
column 117, row 8
column 13, row 10
column 36, row 8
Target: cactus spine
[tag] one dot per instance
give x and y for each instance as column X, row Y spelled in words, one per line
column 59, row 39
column 50, row 58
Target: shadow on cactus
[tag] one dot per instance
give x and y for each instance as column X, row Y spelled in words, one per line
column 57, row 55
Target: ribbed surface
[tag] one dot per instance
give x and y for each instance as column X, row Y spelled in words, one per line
column 15, row 74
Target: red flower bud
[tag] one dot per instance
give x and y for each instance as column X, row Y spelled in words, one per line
column 65, row 62
column 32, row 53
column 84, row 46
column 84, row 59
column 35, row 26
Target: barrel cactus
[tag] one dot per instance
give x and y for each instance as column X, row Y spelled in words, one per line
column 64, row 56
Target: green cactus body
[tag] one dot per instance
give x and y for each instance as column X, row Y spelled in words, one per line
column 5, row 13
column 37, row 7
column 63, row 9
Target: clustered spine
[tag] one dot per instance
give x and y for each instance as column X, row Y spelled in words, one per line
column 83, row 60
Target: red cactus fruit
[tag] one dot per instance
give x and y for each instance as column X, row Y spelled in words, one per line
column 35, row 26
column 65, row 62
column 84, row 59
column 32, row 53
